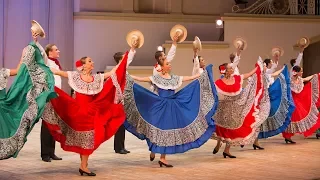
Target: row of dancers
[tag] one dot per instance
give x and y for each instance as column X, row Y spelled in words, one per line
column 271, row 103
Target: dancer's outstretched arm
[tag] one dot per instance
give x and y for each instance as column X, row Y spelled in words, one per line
column 141, row 79
column 59, row 73
column 277, row 72
column 247, row 75
column 189, row 78
column 308, row 78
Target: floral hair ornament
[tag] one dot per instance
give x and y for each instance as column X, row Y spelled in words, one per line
column 222, row 69
column 79, row 65
column 294, row 72
column 157, row 67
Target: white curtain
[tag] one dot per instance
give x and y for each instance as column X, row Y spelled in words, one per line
column 55, row 16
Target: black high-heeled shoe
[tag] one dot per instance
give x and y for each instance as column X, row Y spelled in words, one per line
column 152, row 158
column 256, row 146
column 228, row 155
column 88, row 174
column 164, row 164
column 215, row 151
column 317, row 135
column 289, row 141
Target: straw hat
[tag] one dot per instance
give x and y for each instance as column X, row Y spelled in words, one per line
column 197, row 43
column 135, row 35
column 181, row 30
column 36, row 28
column 304, row 42
column 277, row 50
column 239, row 41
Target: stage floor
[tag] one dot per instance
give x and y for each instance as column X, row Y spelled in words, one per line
column 279, row 161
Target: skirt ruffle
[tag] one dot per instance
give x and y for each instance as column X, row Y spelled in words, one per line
column 173, row 124
column 282, row 106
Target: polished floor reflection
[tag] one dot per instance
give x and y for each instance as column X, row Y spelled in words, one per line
column 279, row 161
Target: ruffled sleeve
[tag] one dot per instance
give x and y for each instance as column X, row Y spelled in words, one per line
column 297, row 88
column 230, row 90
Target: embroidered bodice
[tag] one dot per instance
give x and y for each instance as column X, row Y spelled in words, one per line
column 166, row 84
column 230, row 90
column 297, row 87
column 75, row 81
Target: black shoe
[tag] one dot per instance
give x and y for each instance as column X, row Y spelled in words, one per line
column 164, row 164
column 318, row 135
column 152, row 158
column 215, row 151
column 241, row 146
column 88, row 174
column 121, row 152
column 46, row 159
column 255, row 147
column 289, row 141
column 228, row 155
column 54, row 157
column 126, row 151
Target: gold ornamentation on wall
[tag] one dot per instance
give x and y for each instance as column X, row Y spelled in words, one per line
column 282, row 7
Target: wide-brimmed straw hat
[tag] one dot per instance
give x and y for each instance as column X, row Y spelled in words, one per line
column 181, row 30
column 135, row 35
column 36, row 28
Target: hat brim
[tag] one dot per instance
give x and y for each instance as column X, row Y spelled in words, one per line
column 197, row 43
column 275, row 49
column 245, row 44
column 35, row 23
column 306, row 45
column 174, row 30
column 135, row 33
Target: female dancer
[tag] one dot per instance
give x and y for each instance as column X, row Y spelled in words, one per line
column 23, row 104
column 281, row 101
column 276, row 106
column 305, row 118
column 238, row 112
column 171, row 122
column 83, row 123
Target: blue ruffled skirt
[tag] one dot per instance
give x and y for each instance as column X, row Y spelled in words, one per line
column 282, row 106
column 172, row 122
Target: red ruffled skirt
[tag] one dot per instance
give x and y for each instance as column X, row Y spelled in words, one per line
column 305, row 118
column 238, row 116
column 82, row 124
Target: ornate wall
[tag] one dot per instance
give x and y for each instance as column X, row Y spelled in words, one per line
column 285, row 7
column 190, row 7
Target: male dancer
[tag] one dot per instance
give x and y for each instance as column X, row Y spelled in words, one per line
column 47, row 141
column 119, row 137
